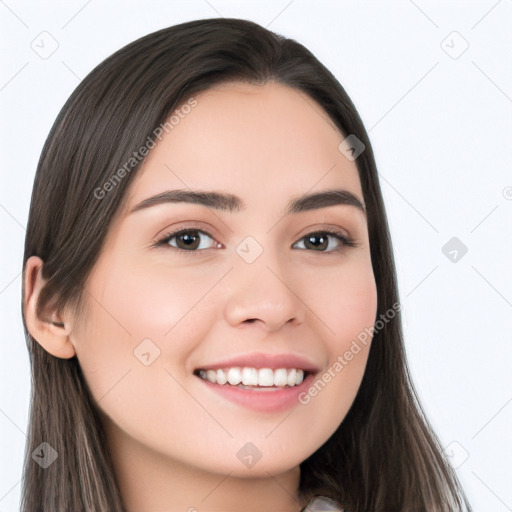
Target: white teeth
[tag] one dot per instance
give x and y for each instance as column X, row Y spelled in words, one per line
column 263, row 377
column 280, row 377
column 250, row 377
column 292, row 375
column 219, row 377
column 234, row 376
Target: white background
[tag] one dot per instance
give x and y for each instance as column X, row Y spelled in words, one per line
column 440, row 122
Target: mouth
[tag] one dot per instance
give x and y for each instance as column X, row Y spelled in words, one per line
column 264, row 390
column 263, row 382
column 256, row 379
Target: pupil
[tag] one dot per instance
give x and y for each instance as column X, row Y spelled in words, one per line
column 189, row 240
column 321, row 244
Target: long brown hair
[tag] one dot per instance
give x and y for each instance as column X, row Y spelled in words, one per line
column 384, row 456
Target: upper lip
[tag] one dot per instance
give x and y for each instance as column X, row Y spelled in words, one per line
column 261, row 360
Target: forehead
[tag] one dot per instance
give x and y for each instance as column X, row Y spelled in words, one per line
column 258, row 141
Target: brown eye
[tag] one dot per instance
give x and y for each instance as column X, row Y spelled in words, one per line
column 188, row 240
column 191, row 240
column 319, row 241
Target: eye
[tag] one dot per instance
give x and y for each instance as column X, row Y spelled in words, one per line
column 187, row 240
column 320, row 240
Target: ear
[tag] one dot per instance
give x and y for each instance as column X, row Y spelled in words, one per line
column 52, row 331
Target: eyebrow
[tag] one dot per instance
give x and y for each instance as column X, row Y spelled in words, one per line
column 228, row 202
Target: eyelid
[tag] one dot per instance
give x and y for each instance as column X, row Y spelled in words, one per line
column 187, row 225
column 162, row 240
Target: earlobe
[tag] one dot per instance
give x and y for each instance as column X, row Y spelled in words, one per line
column 52, row 331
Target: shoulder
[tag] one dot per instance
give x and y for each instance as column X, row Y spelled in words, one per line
column 321, row 504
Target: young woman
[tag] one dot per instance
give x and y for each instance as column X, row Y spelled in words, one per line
column 210, row 300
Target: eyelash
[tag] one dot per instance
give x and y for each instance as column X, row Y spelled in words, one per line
column 345, row 241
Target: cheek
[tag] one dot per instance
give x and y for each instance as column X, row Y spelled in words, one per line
column 151, row 302
column 132, row 310
column 343, row 298
column 345, row 304
column 134, row 318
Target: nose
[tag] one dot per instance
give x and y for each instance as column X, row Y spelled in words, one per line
column 261, row 294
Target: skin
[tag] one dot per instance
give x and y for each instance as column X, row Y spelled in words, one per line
column 174, row 442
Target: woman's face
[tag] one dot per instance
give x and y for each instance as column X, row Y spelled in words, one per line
column 251, row 281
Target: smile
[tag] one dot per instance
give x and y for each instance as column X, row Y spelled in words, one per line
column 248, row 377
column 264, row 397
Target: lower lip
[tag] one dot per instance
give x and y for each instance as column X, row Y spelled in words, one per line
column 266, row 400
